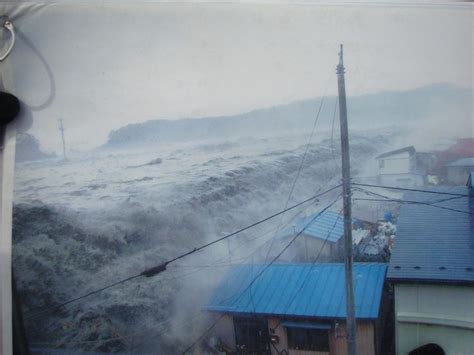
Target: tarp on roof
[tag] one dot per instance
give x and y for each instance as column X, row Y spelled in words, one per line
column 305, row 290
column 435, row 244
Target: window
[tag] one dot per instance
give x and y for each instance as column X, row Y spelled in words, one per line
column 251, row 336
column 381, row 164
column 308, row 339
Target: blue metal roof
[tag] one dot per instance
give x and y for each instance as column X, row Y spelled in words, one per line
column 435, row 244
column 328, row 225
column 299, row 290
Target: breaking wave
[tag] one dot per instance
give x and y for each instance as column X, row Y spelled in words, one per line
column 73, row 239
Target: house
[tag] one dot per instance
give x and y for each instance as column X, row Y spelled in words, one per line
column 319, row 231
column 399, row 168
column 432, row 271
column 458, row 171
column 463, row 148
column 323, row 232
column 298, row 309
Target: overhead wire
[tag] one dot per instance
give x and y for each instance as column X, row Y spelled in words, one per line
column 274, row 259
column 288, row 199
column 386, row 198
column 204, row 333
column 335, row 223
column 300, row 167
column 411, row 189
column 413, row 203
column 404, row 201
column 218, row 319
column 162, row 266
column 244, row 244
column 315, row 260
column 262, row 271
column 313, row 263
column 239, row 296
column 368, row 192
column 230, row 262
column 121, row 337
column 233, row 262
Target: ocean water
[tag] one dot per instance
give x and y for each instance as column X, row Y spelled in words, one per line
column 104, row 215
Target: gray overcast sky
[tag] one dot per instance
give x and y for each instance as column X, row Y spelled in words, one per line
column 117, row 63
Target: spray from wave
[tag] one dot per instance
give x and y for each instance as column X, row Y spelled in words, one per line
column 66, row 245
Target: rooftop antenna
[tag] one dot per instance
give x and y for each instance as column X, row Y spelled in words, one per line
column 61, row 129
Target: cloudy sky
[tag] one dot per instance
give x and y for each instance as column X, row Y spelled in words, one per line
column 111, row 64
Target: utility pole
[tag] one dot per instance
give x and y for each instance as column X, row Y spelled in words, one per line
column 346, row 190
column 61, row 128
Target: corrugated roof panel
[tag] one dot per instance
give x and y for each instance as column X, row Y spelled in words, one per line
column 329, row 225
column 432, row 243
column 306, row 290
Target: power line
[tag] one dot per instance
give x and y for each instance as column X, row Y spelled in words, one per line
column 106, row 340
column 316, row 259
column 332, row 228
column 389, row 199
column 203, row 334
column 229, row 264
column 302, row 159
column 288, row 245
column 287, row 201
column 233, row 262
column 121, row 337
column 155, row 270
column 262, row 271
column 201, row 267
column 427, row 201
column 223, row 265
column 413, row 190
column 414, row 203
column 245, row 243
column 245, row 228
column 311, row 268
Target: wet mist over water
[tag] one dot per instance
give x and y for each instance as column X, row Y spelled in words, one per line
column 106, row 214
column 103, row 216
column 114, row 211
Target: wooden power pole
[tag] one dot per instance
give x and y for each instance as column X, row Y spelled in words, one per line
column 346, row 190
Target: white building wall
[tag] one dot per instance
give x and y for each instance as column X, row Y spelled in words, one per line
column 439, row 314
column 396, row 164
column 402, row 180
